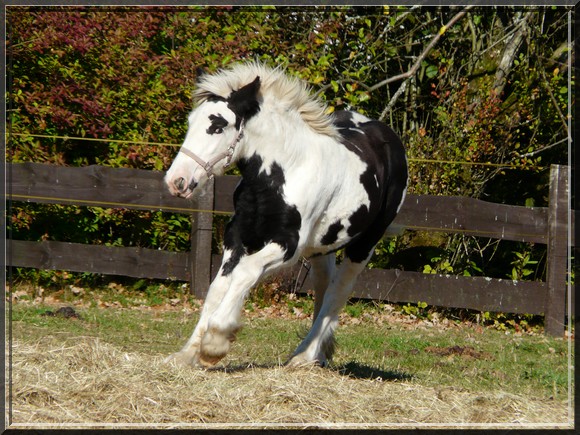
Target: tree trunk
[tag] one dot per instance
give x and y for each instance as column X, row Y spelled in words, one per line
column 510, row 52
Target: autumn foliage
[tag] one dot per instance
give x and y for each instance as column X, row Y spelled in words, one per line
column 125, row 76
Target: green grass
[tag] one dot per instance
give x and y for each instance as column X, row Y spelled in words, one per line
column 526, row 364
column 517, row 364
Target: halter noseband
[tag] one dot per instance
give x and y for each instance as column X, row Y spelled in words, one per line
column 228, row 154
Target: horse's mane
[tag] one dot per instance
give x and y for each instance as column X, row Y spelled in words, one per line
column 275, row 84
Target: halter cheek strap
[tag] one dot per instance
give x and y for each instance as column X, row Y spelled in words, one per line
column 228, row 154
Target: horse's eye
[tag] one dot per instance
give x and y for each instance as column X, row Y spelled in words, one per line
column 218, row 123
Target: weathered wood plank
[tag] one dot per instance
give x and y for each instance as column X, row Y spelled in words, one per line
column 144, row 189
column 476, row 293
column 109, row 260
column 201, row 240
column 555, row 297
column 396, row 286
column 97, row 186
column 474, row 217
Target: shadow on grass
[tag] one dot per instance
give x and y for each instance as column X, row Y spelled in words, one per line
column 237, row 368
column 356, row 370
column 351, row 369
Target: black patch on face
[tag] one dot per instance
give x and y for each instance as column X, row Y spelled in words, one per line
column 243, row 102
column 261, row 214
column 218, row 123
column 332, row 233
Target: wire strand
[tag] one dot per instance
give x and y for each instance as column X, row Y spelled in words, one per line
column 110, row 204
column 411, row 159
column 489, row 164
column 95, row 139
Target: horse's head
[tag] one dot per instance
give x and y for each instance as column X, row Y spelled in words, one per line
column 216, row 127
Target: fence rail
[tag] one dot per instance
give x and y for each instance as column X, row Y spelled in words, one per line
column 141, row 189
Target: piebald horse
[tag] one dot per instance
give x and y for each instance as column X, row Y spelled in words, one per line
column 312, row 183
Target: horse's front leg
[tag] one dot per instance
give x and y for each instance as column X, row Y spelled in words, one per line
column 224, row 321
column 189, row 353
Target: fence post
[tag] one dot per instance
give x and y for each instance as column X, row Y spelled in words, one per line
column 201, row 238
column 555, row 312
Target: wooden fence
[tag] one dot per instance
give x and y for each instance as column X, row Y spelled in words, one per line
column 141, row 189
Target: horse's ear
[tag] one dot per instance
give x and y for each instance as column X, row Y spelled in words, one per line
column 248, row 92
column 244, row 101
column 199, row 73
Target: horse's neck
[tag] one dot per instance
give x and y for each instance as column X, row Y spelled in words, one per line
column 277, row 140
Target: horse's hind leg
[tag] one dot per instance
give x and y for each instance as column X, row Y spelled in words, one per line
column 322, row 269
column 318, row 346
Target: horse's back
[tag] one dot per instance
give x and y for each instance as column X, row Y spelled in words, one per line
column 375, row 142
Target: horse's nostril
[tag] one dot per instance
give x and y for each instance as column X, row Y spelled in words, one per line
column 179, row 183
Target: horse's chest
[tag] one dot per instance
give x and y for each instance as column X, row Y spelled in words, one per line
column 262, row 214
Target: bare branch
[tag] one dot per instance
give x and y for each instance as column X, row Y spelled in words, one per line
column 393, row 100
column 555, row 103
column 547, row 147
column 424, row 54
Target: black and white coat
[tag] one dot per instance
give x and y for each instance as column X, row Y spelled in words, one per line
column 311, row 184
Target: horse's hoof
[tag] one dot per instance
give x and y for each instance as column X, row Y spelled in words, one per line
column 214, row 346
column 208, row 361
column 181, row 359
column 301, row 360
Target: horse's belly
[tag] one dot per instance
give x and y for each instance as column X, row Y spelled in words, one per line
column 330, row 234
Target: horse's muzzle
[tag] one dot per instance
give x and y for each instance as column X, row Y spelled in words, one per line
column 180, row 187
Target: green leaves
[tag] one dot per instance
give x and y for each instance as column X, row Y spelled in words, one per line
column 334, row 85
column 521, row 265
column 431, row 71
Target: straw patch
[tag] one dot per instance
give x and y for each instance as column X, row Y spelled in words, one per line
column 83, row 380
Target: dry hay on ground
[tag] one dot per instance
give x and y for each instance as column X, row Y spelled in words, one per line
column 84, row 380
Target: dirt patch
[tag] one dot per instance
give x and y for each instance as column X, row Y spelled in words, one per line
column 84, row 382
column 464, row 351
column 64, row 312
